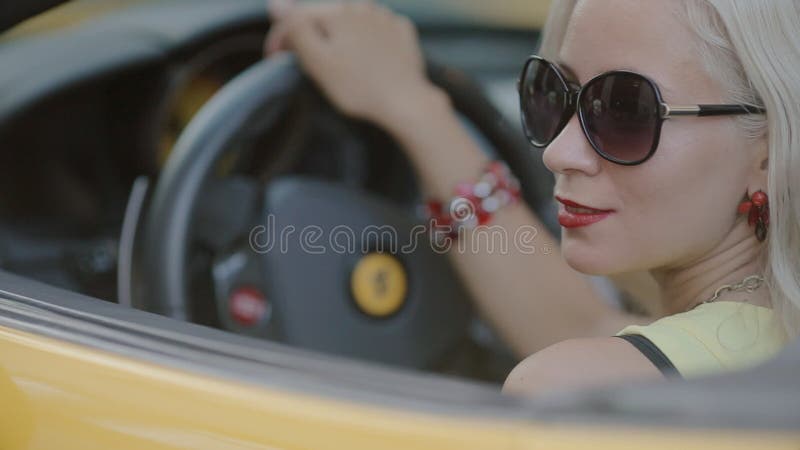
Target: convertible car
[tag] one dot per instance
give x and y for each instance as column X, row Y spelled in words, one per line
column 198, row 251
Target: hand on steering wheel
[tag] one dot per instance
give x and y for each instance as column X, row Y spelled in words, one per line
column 311, row 297
column 366, row 59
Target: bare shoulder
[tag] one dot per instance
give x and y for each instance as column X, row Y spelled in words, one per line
column 579, row 364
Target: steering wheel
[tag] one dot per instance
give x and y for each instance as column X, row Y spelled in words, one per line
column 374, row 298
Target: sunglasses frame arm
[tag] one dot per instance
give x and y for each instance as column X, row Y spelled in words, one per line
column 668, row 111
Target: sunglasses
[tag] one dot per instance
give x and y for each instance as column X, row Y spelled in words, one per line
column 621, row 112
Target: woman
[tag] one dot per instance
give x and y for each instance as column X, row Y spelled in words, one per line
column 708, row 205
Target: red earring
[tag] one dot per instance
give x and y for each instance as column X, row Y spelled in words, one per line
column 757, row 209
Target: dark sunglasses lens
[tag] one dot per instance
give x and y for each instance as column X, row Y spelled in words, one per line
column 620, row 114
column 543, row 100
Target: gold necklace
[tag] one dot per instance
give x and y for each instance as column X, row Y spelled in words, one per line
column 749, row 284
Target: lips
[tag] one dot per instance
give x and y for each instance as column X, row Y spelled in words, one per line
column 576, row 215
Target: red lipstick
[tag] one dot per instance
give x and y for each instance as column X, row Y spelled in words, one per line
column 575, row 215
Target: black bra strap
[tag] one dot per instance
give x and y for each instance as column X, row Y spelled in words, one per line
column 651, row 352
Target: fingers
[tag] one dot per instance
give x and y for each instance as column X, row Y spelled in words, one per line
column 279, row 9
column 306, row 32
column 306, row 35
column 406, row 24
column 307, row 29
column 360, row 8
column 276, row 39
column 292, row 20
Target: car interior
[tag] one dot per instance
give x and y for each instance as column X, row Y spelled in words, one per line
column 112, row 94
column 141, row 142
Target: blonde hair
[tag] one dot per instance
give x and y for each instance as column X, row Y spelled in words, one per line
column 752, row 47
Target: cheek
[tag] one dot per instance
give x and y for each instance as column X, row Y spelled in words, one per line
column 672, row 209
column 683, row 201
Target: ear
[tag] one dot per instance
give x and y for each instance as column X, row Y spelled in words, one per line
column 759, row 167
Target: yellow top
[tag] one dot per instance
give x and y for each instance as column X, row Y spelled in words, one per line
column 715, row 337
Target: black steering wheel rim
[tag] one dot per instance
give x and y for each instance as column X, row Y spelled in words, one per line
column 219, row 123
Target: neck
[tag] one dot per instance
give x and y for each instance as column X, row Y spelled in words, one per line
column 732, row 260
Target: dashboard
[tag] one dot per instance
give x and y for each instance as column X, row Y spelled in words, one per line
column 89, row 107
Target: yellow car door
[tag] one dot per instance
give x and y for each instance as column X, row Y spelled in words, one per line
column 78, row 373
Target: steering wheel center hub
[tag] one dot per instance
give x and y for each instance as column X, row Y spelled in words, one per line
column 379, row 285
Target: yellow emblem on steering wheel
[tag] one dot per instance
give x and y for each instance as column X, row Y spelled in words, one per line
column 379, row 285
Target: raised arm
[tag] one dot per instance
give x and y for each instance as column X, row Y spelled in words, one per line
column 368, row 62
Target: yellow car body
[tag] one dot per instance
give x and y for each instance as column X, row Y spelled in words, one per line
column 57, row 395
column 77, row 373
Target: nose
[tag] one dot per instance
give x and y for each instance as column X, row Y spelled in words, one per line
column 571, row 152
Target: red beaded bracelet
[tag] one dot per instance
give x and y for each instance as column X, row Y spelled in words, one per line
column 474, row 204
